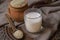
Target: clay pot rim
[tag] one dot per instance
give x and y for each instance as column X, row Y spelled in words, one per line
column 26, row 3
column 18, row 7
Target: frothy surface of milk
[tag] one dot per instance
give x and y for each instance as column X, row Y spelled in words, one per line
column 34, row 24
column 33, row 15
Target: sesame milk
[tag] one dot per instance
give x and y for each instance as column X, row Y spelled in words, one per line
column 33, row 21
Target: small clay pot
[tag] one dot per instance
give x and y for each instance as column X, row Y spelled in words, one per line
column 17, row 14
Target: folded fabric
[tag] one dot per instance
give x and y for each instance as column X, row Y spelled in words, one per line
column 51, row 12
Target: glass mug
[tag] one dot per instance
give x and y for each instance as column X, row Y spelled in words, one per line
column 33, row 20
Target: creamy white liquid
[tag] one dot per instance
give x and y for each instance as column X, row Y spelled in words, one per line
column 33, row 21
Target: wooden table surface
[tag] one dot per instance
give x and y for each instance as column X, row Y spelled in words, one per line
column 4, row 10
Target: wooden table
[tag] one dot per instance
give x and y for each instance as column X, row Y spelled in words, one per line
column 4, row 10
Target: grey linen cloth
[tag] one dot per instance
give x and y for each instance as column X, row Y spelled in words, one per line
column 51, row 16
